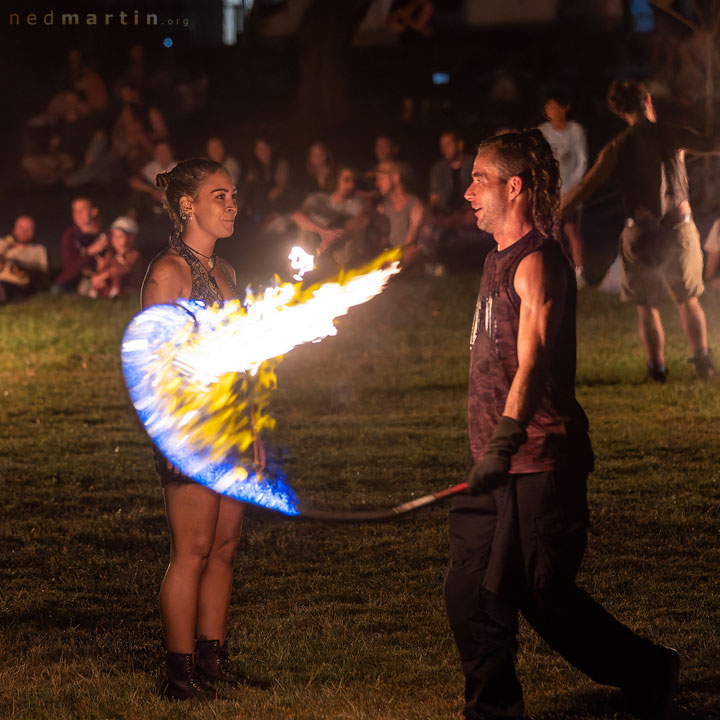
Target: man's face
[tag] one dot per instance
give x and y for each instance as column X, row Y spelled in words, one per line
column 487, row 192
column 24, row 229
column 346, row 183
column 383, row 149
column 555, row 112
column 82, row 213
column 384, row 182
column 450, row 147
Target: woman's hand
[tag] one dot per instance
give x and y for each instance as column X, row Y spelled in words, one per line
column 259, row 449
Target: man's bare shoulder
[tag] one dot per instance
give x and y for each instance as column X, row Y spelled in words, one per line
column 547, row 267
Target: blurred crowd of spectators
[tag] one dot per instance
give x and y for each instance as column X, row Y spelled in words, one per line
column 92, row 141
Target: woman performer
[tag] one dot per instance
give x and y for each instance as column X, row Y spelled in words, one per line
column 201, row 200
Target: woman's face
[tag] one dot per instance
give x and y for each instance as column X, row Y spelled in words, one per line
column 263, row 152
column 317, row 157
column 120, row 241
column 215, row 207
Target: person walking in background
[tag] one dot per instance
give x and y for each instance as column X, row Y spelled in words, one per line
column 518, row 537
column 660, row 245
column 569, row 144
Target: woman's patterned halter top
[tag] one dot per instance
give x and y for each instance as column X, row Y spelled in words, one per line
column 204, row 286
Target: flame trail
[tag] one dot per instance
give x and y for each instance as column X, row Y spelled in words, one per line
column 195, row 372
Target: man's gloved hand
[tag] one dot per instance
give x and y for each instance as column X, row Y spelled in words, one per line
column 493, row 469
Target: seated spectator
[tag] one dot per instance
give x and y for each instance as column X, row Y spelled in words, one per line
column 131, row 141
column 267, row 187
column 320, row 174
column 119, row 270
column 67, row 145
column 130, row 96
column 23, row 263
column 145, row 196
column 80, row 246
column 402, row 213
column 215, row 150
column 97, row 166
column 386, row 150
column 450, row 214
column 332, row 226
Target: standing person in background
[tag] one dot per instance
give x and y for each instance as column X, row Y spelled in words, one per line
column 517, row 539
column 660, row 245
column 201, row 200
column 569, row 144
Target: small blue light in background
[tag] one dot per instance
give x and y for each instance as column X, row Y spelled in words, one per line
column 643, row 15
column 440, row 78
column 167, row 42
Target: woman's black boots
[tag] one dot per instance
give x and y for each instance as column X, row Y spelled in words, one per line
column 182, row 681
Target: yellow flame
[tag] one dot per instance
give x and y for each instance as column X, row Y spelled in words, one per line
column 216, row 369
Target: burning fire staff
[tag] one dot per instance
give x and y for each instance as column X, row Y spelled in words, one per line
column 205, row 526
column 518, row 537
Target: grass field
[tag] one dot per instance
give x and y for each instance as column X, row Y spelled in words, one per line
column 346, row 622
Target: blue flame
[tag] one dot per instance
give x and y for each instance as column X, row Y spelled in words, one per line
column 151, row 332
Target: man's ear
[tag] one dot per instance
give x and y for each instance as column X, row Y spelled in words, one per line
column 515, row 186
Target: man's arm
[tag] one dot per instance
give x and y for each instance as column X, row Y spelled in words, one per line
column 604, row 165
column 696, row 144
column 416, row 216
column 542, row 290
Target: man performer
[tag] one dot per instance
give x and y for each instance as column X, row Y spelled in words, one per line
column 659, row 244
column 518, row 537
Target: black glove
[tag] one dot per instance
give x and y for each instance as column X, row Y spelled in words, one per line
column 493, row 469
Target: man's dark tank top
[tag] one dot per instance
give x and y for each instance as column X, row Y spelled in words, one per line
column 651, row 171
column 557, row 432
column 204, row 286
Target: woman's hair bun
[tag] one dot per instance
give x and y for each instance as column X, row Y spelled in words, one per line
column 162, row 180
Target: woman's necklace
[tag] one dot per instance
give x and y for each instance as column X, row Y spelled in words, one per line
column 212, row 259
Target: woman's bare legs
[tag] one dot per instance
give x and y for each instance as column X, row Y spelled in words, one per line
column 192, row 512
column 216, row 581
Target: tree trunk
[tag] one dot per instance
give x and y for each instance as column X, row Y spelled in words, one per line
column 325, row 39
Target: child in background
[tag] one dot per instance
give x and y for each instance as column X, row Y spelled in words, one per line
column 119, row 269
